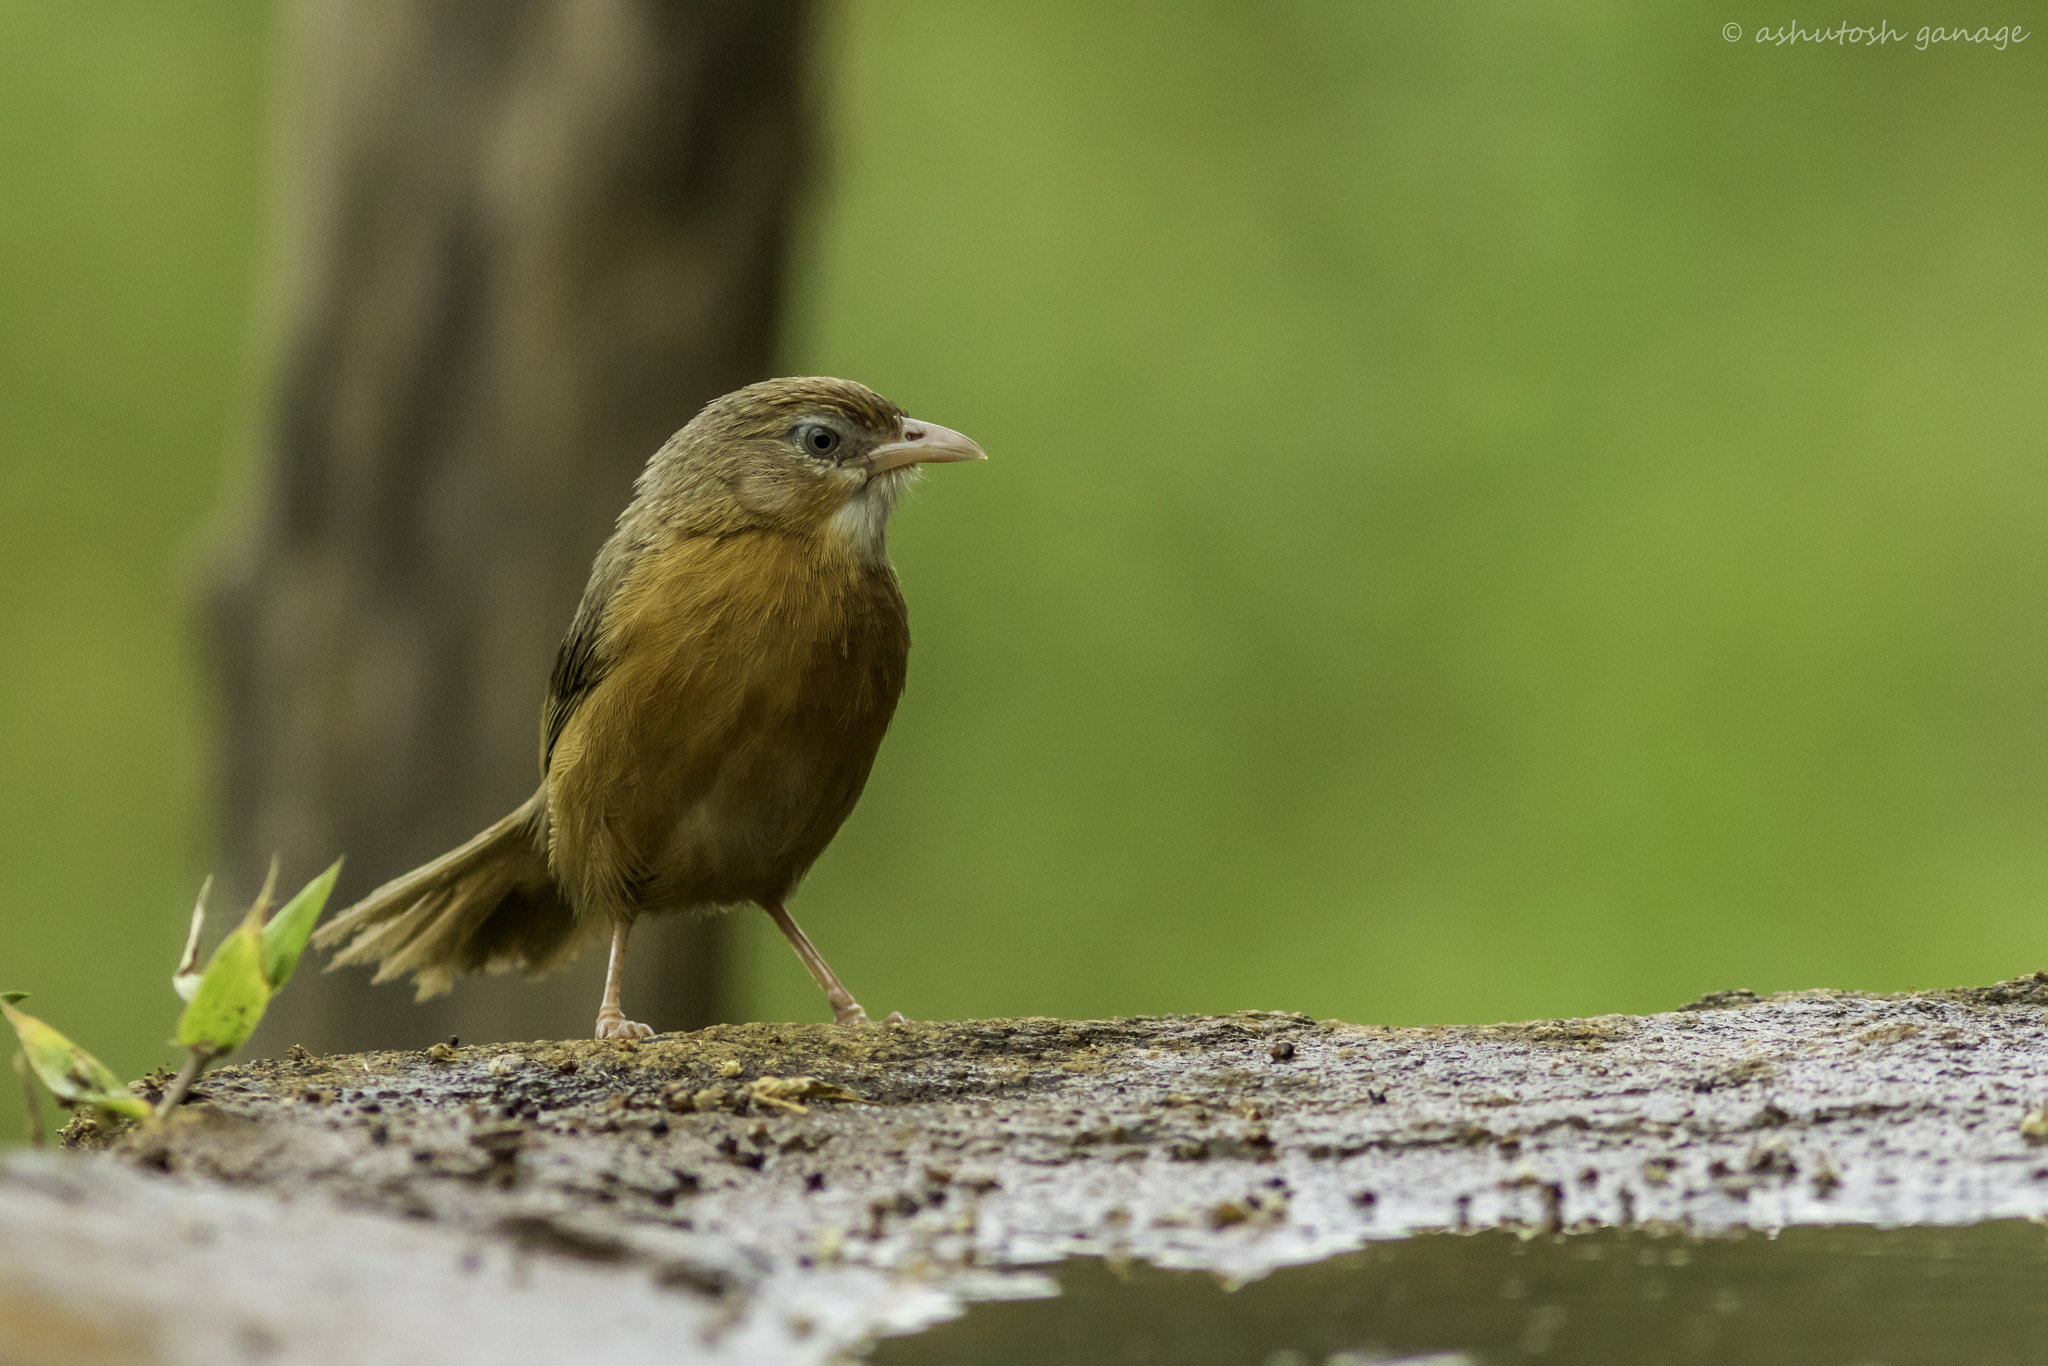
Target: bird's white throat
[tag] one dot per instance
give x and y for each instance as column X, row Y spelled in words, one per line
column 862, row 521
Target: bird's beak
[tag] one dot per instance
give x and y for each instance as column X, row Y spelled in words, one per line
column 923, row 443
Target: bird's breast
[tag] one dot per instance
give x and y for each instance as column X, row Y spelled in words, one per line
column 764, row 623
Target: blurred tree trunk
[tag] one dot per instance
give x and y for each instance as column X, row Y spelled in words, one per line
column 526, row 241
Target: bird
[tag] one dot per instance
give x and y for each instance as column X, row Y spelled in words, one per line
column 713, row 712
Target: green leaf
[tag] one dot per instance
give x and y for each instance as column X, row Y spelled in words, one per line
column 12, row 998
column 284, row 938
column 232, row 994
column 73, row 1075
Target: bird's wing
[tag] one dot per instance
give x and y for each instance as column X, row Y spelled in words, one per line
column 582, row 662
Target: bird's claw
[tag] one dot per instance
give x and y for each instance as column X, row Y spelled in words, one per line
column 854, row 1015
column 619, row 1027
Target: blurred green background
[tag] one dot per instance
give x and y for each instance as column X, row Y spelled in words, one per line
column 1495, row 510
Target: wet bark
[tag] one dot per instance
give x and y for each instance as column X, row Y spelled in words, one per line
column 524, row 243
column 695, row 1188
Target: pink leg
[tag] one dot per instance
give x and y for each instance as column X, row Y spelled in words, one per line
column 611, row 1020
column 845, row 1010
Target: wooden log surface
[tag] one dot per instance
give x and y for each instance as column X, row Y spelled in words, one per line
column 607, row 1201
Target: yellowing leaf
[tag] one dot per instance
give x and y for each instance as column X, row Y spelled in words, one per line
column 788, row 1093
column 284, row 938
column 73, row 1075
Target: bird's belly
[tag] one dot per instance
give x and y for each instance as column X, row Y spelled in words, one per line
column 776, row 798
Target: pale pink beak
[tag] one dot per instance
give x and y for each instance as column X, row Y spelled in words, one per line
column 923, row 443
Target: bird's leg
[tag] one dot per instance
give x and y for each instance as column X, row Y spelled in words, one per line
column 845, row 1010
column 611, row 1020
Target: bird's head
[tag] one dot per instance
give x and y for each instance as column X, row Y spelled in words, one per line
column 814, row 455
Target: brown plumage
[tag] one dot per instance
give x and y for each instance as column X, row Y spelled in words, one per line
column 713, row 711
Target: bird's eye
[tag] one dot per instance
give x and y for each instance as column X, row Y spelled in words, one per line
column 817, row 439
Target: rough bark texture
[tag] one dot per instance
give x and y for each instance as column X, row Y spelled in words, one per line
column 527, row 241
column 587, row 1201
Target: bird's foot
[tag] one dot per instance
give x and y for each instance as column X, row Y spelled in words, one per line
column 852, row 1014
column 613, row 1025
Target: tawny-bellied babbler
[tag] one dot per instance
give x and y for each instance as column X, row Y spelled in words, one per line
column 714, row 709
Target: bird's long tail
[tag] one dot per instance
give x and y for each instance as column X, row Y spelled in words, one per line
column 487, row 906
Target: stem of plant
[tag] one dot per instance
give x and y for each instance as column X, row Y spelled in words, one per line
column 33, row 1101
column 195, row 1063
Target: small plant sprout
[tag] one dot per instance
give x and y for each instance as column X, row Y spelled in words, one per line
column 225, row 1002
column 73, row 1076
